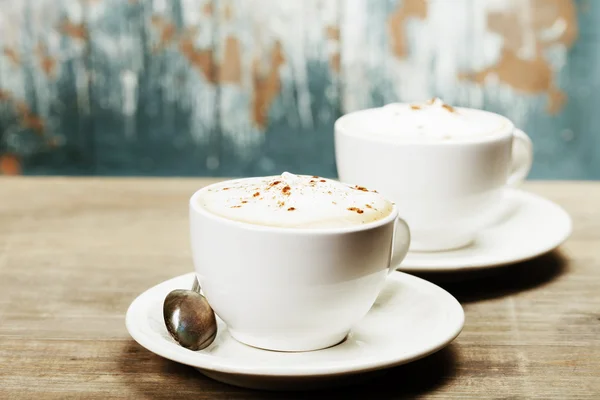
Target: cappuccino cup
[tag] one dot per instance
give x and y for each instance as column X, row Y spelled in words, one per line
column 446, row 168
column 292, row 262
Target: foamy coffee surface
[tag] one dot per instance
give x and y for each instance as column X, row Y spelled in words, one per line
column 432, row 120
column 295, row 201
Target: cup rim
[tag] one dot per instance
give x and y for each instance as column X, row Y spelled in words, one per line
column 283, row 230
column 502, row 133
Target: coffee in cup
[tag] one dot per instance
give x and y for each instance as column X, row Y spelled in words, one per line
column 291, row 262
column 445, row 167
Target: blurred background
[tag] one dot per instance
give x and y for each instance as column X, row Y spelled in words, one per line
column 253, row 87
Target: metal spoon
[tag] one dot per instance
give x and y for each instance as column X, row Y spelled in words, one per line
column 189, row 318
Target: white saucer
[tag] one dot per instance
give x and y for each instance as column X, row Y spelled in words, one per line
column 411, row 319
column 530, row 227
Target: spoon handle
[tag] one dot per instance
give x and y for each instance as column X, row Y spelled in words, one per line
column 196, row 286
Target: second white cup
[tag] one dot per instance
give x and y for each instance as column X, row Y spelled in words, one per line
column 446, row 188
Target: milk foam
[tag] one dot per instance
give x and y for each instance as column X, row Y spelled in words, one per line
column 429, row 121
column 295, row 201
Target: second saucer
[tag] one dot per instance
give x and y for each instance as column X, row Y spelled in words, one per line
column 532, row 226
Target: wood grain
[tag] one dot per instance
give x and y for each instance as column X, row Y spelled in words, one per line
column 74, row 252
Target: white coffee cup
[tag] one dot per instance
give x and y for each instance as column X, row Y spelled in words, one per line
column 292, row 289
column 446, row 188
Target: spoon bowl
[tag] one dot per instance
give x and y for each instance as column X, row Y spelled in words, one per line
column 189, row 318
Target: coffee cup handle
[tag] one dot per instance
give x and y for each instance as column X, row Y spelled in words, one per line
column 522, row 158
column 401, row 241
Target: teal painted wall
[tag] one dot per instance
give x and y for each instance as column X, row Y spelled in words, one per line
column 238, row 88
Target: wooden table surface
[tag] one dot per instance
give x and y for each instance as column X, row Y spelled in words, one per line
column 74, row 252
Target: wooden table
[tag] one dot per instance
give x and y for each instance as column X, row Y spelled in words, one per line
column 74, row 252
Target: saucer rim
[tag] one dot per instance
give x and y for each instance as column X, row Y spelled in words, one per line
column 437, row 263
column 208, row 362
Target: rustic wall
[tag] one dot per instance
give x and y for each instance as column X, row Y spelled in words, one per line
column 237, row 87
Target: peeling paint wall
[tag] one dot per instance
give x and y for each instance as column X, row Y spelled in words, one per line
column 236, row 87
